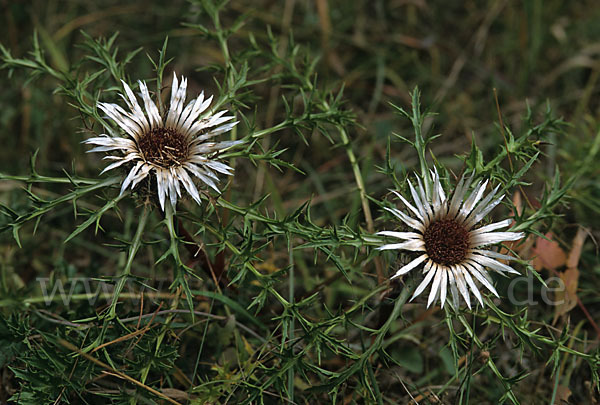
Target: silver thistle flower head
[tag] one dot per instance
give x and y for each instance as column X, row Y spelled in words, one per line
column 175, row 149
column 449, row 244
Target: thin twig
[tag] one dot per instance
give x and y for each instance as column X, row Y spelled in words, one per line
column 197, row 252
column 360, row 184
column 114, row 372
column 512, row 169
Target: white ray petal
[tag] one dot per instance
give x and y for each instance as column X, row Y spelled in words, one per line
column 130, row 176
column 202, row 175
column 161, row 186
column 217, row 118
column 121, row 118
column 435, row 286
column 493, row 264
column 218, row 130
column 491, row 227
column 101, row 140
column 438, row 197
column 227, row 144
column 216, row 121
column 209, row 147
column 484, row 211
column 401, row 235
column 406, row 219
column 471, row 283
column 174, row 89
column 462, row 287
column 120, row 162
column 481, row 275
column 423, row 204
column 405, row 269
column 192, row 128
column 205, row 123
column 429, row 264
column 112, row 143
column 426, row 203
column 209, row 173
column 150, row 106
column 181, row 119
column 202, row 148
column 172, row 188
column 214, row 132
column 470, row 220
column 457, row 197
column 185, row 122
column 443, row 286
column 188, row 184
column 177, row 100
column 104, row 149
column 409, row 205
column 219, row 167
column 495, row 237
column 453, row 289
column 491, row 253
column 138, row 114
column 107, row 144
column 423, row 191
column 412, row 245
column 440, row 189
column 205, row 105
column 423, row 284
column 142, row 174
column 473, row 199
column 175, row 179
column 417, row 199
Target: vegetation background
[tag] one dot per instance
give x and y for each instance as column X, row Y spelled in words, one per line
column 320, row 80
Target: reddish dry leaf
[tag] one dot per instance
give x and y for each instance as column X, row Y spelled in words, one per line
column 575, row 252
column 548, row 254
column 518, row 203
column 570, row 277
column 563, row 393
column 523, row 248
column 566, row 297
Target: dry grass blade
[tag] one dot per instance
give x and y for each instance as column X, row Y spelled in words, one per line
column 116, row 373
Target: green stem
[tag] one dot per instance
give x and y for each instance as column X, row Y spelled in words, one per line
column 420, row 143
column 36, row 178
column 381, row 333
column 90, row 297
column 408, row 289
column 266, row 131
column 555, row 389
column 349, row 239
column 47, row 206
column 290, row 337
column 248, row 265
column 174, row 250
column 180, row 267
column 133, row 248
column 360, row 184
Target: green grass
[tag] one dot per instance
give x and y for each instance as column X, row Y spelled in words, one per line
column 273, row 292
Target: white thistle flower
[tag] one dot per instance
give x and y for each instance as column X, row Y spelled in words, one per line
column 449, row 244
column 174, row 149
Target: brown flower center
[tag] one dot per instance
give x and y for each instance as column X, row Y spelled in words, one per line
column 164, row 147
column 446, row 242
